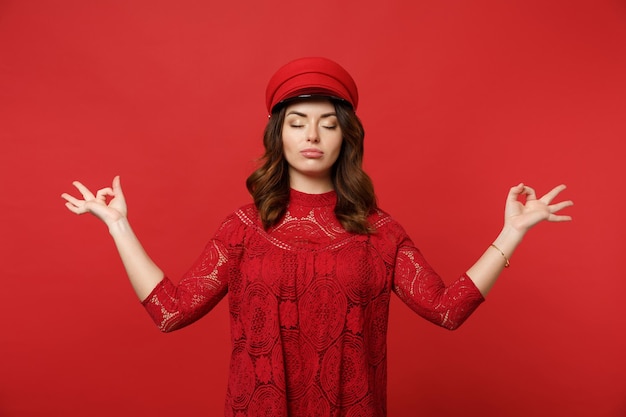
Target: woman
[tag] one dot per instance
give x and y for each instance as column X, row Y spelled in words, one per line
column 310, row 266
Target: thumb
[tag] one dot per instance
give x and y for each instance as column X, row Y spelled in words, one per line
column 515, row 191
column 117, row 185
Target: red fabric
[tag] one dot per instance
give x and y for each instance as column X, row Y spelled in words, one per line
column 309, row 307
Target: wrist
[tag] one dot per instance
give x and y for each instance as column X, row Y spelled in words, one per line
column 120, row 227
column 508, row 239
column 511, row 233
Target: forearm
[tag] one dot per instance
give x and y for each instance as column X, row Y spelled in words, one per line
column 486, row 270
column 200, row 289
column 143, row 273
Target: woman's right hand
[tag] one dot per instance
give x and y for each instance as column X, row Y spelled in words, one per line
column 97, row 204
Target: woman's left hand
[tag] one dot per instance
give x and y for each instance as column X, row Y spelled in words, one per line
column 522, row 216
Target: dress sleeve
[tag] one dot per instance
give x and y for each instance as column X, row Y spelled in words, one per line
column 172, row 306
column 419, row 287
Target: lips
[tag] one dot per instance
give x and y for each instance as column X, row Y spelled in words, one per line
column 312, row 153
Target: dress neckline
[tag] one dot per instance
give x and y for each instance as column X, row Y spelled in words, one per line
column 313, row 200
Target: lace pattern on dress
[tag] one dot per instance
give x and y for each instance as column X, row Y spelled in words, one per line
column 309, row 306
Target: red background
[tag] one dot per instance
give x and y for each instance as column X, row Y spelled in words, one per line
column 460, row 99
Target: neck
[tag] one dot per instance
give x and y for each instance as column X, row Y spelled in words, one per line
column 311, row 185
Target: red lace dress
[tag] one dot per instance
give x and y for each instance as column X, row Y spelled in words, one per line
column 308, row 306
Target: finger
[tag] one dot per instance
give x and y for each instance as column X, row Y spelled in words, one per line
column 102, row 193
column 74, row 208
column 555, row 218
column 560, row 206
column 515, row 191
column 71, row 199
column 66, row 196
column 530, row 193
column 87, row 195
column 551, row 195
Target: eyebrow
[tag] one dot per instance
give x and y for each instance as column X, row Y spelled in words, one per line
column 297, row 113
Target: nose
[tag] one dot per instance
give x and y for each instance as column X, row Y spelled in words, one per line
column 312, row 134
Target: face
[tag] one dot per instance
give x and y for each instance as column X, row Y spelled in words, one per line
column 311, row 144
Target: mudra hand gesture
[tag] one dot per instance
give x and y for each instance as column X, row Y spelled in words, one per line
column 97, row 204
column 523, row 216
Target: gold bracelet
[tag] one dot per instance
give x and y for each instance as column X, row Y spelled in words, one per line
column 506, row 260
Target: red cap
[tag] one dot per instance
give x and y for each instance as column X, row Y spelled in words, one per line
column 311, row 76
